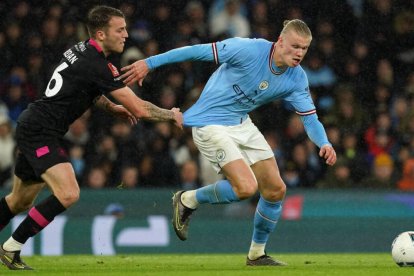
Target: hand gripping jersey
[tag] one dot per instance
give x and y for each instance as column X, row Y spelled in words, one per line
column 83, row 74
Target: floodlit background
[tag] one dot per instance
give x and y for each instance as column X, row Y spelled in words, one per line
column 361, row 72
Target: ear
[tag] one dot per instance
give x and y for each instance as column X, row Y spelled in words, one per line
column 100, row 35
column 280, row 40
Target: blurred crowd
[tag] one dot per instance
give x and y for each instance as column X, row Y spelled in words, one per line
column 360, row 68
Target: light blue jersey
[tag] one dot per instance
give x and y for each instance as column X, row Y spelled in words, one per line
column 246, row 79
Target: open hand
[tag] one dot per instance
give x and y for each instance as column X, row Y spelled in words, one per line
column 137, row 71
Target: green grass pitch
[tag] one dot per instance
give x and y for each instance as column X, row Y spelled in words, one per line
column 212, row 264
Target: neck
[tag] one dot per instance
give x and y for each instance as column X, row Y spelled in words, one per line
column 98, row 46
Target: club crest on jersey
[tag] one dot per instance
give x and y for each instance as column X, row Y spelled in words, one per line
column 113, row 69
column 263, row 85
column 220, row 155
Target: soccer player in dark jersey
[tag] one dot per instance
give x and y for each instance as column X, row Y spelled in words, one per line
column 83, row 78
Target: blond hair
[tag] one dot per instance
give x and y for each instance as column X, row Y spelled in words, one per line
column 297, row 26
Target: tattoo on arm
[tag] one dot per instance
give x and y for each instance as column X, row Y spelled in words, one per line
column 158, row 114
column 103, row 103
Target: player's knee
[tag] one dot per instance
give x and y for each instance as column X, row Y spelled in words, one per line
column 19, row 204
column 277, row 193
column 274, row 192
column 68, row 198
column 246, row 188
column 22, row 205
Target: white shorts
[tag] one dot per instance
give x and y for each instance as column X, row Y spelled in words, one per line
column 223, row 144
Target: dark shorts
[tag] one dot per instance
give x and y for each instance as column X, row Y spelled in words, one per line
column 36, row 152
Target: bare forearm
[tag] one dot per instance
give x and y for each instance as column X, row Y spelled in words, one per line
column 156, row 114
column 104, row 103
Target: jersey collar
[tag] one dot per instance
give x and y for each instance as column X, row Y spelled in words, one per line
column 95, row 44
column 272, row 69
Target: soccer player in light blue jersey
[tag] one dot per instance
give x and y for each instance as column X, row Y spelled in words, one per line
column 252, row 72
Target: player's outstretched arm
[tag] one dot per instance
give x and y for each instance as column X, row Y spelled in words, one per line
column 115, row 109
column 145, row 110
column 139, row 69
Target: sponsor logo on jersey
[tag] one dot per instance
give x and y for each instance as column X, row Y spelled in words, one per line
column 263, row 85
column 113, row 69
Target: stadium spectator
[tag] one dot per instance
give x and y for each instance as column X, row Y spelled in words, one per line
column 96, row 178
column 163, row 24
column 382, row 99
column 348, row 113
column 355, row 156
column 129, row 177
column 229, row 22
column 125, row 147
column 379, row 136
column 7, row 145
column 189, row 175
column 337, row 176
column 78, row 133
column 376, row 27
column 290, row 175
column 294, row 133
column 404, row 43
column 15, row 99
column 76, row 157
column 165, row 172
column 308, row 171
column 383, row 174
column 196, row 15
column 406, row 182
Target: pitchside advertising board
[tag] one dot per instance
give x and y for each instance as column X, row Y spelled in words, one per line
column 112, row 222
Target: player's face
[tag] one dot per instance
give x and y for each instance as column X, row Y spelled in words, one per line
column 293, row 48
column 115, row 35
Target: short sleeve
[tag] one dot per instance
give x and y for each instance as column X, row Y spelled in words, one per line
column 107, row 78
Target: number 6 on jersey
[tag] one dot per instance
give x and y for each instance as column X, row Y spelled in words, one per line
column 50, row 92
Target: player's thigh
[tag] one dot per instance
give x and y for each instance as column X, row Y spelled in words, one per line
column 271, row 185
column 37, row 152
column 241, row 177
column 23, row 194
column 62, row 181
column 223, row 152
column 216, row 145
column 252, row 143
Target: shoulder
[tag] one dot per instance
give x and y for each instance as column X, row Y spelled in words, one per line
column 246, row 47
column 299, row 74
column 249, row 42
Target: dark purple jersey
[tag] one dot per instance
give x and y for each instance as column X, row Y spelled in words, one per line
column 83, row 74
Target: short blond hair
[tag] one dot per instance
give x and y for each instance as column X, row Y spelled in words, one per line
column 297, row 26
